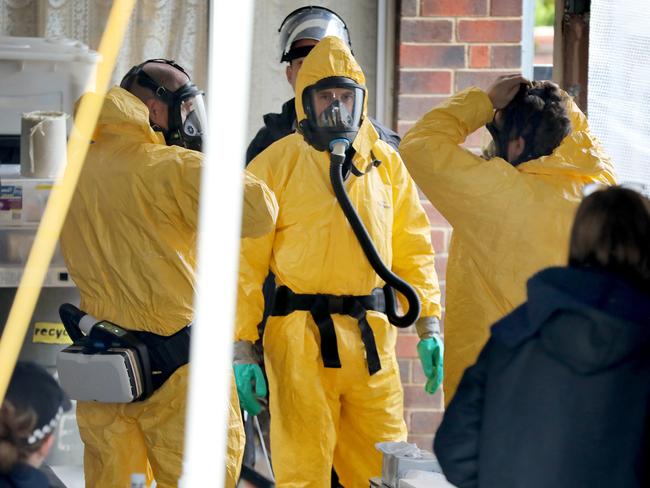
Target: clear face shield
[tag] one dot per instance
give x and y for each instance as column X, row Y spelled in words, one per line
column 187, row 118
column 337, row 108
column 194, row 117
column 334, row 110
column 310, row 23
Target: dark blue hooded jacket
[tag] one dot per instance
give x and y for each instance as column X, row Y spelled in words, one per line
column 560, row 394
column 24, row 476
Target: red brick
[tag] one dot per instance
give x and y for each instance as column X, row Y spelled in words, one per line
column 425, row 422
column 506, row 57
column 489, row 30
column 406, row 346
column 441, row 266
column 417, row 374
column 403, row 127
column 425, row 30
column 506, row 8
column 425, row 82
column 409, row 8
column 447, row 8
column 416, row 397
column 482, row 79
column 435, row 218
column 439, row 240
column 422, row 441
column 479, row 56
column 404, row 370
column 425, row 56
column 414, row 107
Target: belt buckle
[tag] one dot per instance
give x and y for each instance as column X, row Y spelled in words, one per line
column 335, row 304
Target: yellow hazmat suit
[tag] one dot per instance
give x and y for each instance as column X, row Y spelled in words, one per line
column 130, row 245
column 319, row 415
column 509, row 222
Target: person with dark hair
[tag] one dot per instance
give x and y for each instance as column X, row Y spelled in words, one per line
column 511, row 212
column 30, row 412
column 612, row 231
column 559, row 394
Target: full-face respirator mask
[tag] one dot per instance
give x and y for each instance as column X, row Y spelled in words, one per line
column 333, row 109
column 187, row 110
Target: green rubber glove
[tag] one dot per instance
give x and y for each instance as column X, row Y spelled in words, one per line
column 245, row 374
column 430, row 351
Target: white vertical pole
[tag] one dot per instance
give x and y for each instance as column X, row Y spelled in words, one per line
column 380, row 90
column 528, row 39
column 219, row 228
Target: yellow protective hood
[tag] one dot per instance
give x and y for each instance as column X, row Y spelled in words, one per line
column 332, row 57
column 124, row 114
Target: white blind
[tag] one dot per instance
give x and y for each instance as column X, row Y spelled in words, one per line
column 619, row 84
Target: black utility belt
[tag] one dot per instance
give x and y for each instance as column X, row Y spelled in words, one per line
column 111, row 364
column 322, row 306
column 166, row 353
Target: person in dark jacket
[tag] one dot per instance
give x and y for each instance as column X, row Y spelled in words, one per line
column 299, row 33
column 30, row 412
column 560, row 394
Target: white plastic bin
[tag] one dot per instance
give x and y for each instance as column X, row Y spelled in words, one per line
column 47, row 74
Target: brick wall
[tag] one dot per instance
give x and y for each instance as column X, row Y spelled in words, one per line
column 445, row 46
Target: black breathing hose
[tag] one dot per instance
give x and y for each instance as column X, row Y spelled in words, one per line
column 70, row 316
column 392, row 280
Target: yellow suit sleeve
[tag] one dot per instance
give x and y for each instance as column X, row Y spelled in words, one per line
column 413, row 254
column 254, row 264
column 453, row 178
column 174, row 182
column 260, row 207
column 254, row 260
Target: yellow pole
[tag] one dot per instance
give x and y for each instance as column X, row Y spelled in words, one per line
column 59, row 201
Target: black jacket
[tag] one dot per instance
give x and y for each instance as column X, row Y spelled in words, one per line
column 276, row 126
column 560, row 394
column 24, row 476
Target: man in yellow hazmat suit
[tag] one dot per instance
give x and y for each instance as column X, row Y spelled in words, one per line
column 129, row 242
column 334, row 392
column 511, row 214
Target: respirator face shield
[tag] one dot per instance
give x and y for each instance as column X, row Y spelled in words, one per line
column 499, row 132
column 187, row 120
column 333, row 109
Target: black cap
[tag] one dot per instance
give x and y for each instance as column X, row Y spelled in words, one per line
column 32, row 387
column 296, row 52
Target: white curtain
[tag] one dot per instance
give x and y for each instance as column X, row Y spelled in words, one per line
column 619, row 70
column 172, row 29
